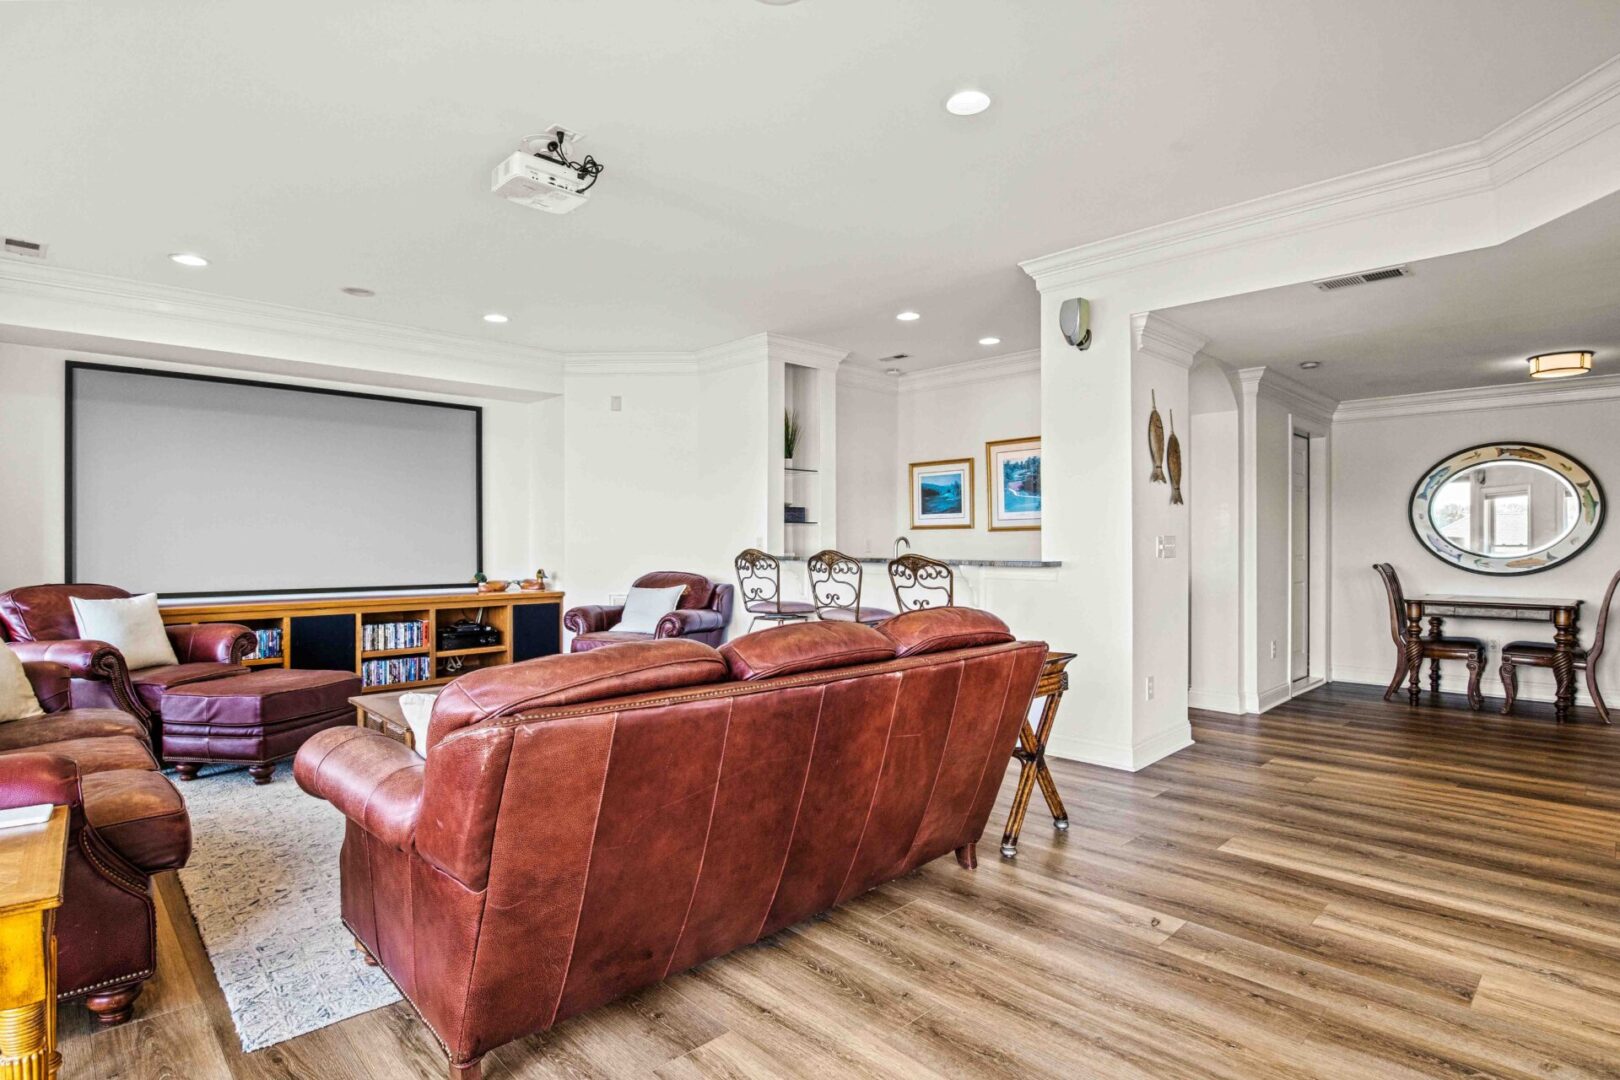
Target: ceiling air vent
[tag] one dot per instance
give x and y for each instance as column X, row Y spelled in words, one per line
column 13, row 246
column 1367, row 278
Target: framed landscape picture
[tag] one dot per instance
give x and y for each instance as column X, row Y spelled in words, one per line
column 1013, row 468
column 942, row 494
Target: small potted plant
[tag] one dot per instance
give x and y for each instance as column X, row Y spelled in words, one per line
column 790, row 435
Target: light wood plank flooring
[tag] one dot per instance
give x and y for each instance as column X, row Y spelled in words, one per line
column 1341, row 888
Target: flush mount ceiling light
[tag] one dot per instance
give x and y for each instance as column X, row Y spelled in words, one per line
column 186, row 258
column 496, row 317
column 967, row 102
column 1561, row 365
column 989, row 341
column 1309, row 365
column 355, row 290
column 908, row 316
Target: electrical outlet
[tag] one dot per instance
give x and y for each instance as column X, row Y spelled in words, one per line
column 1150, row 688
column 1274, row 649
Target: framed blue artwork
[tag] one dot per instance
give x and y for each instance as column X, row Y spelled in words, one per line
column 1013, row 474
column 942, row 494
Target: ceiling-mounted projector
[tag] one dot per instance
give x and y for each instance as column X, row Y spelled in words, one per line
column 541, row 176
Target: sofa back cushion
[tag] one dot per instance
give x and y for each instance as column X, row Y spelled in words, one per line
column 933, row 630
column 45, row 612
column 698, row 587
column 635, row 667
column 817, row 646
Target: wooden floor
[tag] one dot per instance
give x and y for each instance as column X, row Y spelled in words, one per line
column 1341, row 888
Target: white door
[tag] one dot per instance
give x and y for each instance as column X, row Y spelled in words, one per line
column 1299, row 562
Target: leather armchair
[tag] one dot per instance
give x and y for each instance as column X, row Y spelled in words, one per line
column 127, row 822
column 702, row 615
column 38, row 621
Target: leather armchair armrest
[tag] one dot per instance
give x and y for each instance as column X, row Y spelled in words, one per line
column 720, row 601
column 683, row 621
column 592, row 618
column 222, row 643
column 27, row 779
column 375, row 781
column 52, row 684
column 86, row 659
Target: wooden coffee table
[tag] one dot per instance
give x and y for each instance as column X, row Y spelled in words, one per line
column 382, row 712
column 31, row 860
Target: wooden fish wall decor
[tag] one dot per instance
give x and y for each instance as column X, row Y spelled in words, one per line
column 1156, row 442
column 1173, row 458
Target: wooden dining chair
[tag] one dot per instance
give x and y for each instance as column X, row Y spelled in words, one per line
column 759, row 579
column 1545, row 654
column 835, row 586
column 1412, row 649
column 920, row 582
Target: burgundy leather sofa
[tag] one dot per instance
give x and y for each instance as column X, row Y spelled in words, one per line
column 702, row 615
column 586, row 825
column 127, row 823
column 38, row 621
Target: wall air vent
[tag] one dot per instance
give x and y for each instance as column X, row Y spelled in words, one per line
column 13, row 246
column 1367, row 278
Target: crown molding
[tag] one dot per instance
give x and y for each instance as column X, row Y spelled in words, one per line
column 1164, row 339
column 1588, row 106
column 1579, row 391
column 987, row 369
column 804, row 353
column 629, row 363
column 753, row 349
column 174, row 305
column 1275, row 386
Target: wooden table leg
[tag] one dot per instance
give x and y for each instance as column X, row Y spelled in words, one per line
column 1566, row 639
column 1033, row 769
column 28, row 997
column 1414, row 651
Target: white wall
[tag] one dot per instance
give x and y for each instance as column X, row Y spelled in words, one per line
column 522, row 466
column 868, row 454
column 1376, row 462
column 1214, row 582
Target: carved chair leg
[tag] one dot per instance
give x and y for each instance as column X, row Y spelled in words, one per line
column 1434, row 675
column 1400, row 675
column 1476, row 700
column 187, row 769
column 1510, row 686
column 114, row 1006
column 467, row 1070
column 968, row 856
column 1414, row 676
column 1597, row 695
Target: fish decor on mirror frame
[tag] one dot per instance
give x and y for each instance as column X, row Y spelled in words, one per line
column 1173, row 459
column 1156, row 442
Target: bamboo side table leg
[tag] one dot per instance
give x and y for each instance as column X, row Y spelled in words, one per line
column 28, row 996
column 1031, row 755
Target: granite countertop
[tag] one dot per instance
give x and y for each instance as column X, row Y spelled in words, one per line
column 1026, row 564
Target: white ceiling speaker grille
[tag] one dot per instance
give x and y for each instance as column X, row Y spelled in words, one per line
column 1366, row 278
column 27, row 248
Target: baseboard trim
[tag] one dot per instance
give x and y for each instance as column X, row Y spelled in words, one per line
column 1125, row 758
column 1268, row 699
column 1490, row 686
column 1160, row 746
column 1215, row 701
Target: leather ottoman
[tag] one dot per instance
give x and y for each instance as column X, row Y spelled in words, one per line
column 258, row 718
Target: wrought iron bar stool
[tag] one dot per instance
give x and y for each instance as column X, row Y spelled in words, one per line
column 920, row 582
column 1031, row 755
column 1545, row 654
column 835, row 585
column 759, row 578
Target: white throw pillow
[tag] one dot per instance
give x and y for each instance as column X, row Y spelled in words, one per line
column 418, row 710
column 17, row 700
column 132, row 626
column 644, row 607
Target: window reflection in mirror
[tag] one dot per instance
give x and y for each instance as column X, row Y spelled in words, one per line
column 1505, row 509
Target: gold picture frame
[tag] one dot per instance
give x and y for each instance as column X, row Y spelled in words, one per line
column 1001, row 516
column 941, row 494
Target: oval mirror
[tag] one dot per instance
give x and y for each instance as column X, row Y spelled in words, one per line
column 1507, row 508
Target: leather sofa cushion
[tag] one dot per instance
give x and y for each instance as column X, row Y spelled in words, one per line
column 934, row 630
column 141, row 815
column 99, row 753
column 636, row 667
column 69, row 724
column 598, row 638
column 788, row 650
column 153, row 682
column 260, row 698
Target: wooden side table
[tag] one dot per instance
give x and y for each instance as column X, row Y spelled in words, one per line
column 381, row 712
column 1031, row 755
column 31, row 861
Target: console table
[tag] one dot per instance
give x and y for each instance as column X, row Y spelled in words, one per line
column 31, row 861
column 1563, row 614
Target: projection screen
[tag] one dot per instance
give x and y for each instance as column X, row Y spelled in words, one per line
column 192, row 485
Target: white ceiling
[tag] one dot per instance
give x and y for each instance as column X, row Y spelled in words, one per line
column 1460, row 321
column 768, row 168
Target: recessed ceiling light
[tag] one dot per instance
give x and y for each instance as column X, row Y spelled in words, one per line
column 1310, row 365
column 185, row 258
column 1560, row 365
column 891, row 371
column 355, row 290
column 967, row 102
column 496, row 317
column 989, row 341
column 908, row 316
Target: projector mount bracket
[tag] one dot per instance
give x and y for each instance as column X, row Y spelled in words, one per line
column 553, row 145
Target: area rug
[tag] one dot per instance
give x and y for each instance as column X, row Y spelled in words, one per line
column 263, row 887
